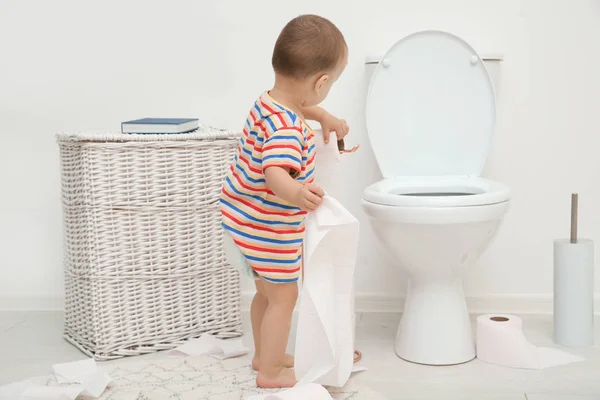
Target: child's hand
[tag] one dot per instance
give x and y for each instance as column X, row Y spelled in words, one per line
column 309, row 197
column 330, row 123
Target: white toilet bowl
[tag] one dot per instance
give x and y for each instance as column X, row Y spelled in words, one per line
column 430, row 118
column 435, row 244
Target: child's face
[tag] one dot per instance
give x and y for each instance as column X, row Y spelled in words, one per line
column 323, row 83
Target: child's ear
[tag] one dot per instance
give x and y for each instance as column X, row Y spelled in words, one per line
column 321, row 82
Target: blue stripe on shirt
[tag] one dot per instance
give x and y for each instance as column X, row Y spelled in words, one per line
column 256, row 160
column 288, row 156
column 262, row 239
column 292, row 280
column 243, row 171
column 262, row 116
column 285, row 207
column 272, row 260
column 284, row 137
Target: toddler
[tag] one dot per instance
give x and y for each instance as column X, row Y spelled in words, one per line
column 269, row 187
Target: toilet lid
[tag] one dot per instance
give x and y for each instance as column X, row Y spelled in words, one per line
column 431, row 108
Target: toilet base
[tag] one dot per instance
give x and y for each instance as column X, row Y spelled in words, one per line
column 435, row 328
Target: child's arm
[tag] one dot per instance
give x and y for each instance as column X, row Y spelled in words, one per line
column 282, row 162
column 308, row 197
column 328, row 122
column 314, row 113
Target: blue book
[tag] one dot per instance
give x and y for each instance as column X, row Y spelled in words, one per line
column 160, row 125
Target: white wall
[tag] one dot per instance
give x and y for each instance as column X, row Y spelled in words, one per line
column 70, row 65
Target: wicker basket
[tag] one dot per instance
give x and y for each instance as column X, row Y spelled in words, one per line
column 144, row 263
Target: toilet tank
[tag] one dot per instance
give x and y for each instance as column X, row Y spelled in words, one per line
column 493, row 63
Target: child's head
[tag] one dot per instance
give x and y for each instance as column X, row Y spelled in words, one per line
column 311, row 52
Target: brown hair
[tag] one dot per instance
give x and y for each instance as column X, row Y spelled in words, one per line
column 307, row 45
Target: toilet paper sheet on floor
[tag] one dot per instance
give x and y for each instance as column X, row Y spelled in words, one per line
column 312, row 391
column 500, row 340
column 208, row 345
column 325, row 334
column 86, row 378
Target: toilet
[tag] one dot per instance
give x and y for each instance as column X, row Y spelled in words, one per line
column 430, row 120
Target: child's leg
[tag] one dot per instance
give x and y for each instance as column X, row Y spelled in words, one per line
column 257, row 312
column 275, row 331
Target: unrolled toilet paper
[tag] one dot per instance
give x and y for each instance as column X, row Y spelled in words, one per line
column 329, row 169
column 312, row 391
column 500, row 340
column 325, row 334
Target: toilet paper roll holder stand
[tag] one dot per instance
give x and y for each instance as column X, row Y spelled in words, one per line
column 342, row 147
column 574, row 207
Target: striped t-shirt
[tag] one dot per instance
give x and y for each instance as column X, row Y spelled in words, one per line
column 268, row 230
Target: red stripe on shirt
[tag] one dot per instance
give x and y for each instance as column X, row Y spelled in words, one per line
column 265, row 250
column 282, row 146
column 260, row 210
column 283, row 271
column 261, row 228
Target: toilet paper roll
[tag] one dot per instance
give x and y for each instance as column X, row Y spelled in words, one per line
column 311, row 391
column 574, row 293
column 500, row 341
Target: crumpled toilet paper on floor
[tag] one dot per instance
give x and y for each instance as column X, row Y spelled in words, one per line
column 312, row 391
column 500, row 340
column 208, row 345
column 91, row 383
column 51, row 393
column 325, row 333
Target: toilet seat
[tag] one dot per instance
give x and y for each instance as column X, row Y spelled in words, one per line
column 430, row 121
column 444, row 191
column 430, row 108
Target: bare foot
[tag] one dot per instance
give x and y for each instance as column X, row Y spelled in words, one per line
column 288, row 362
column 285, row 379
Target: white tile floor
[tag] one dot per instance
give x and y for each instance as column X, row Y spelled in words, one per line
column 31, row 342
